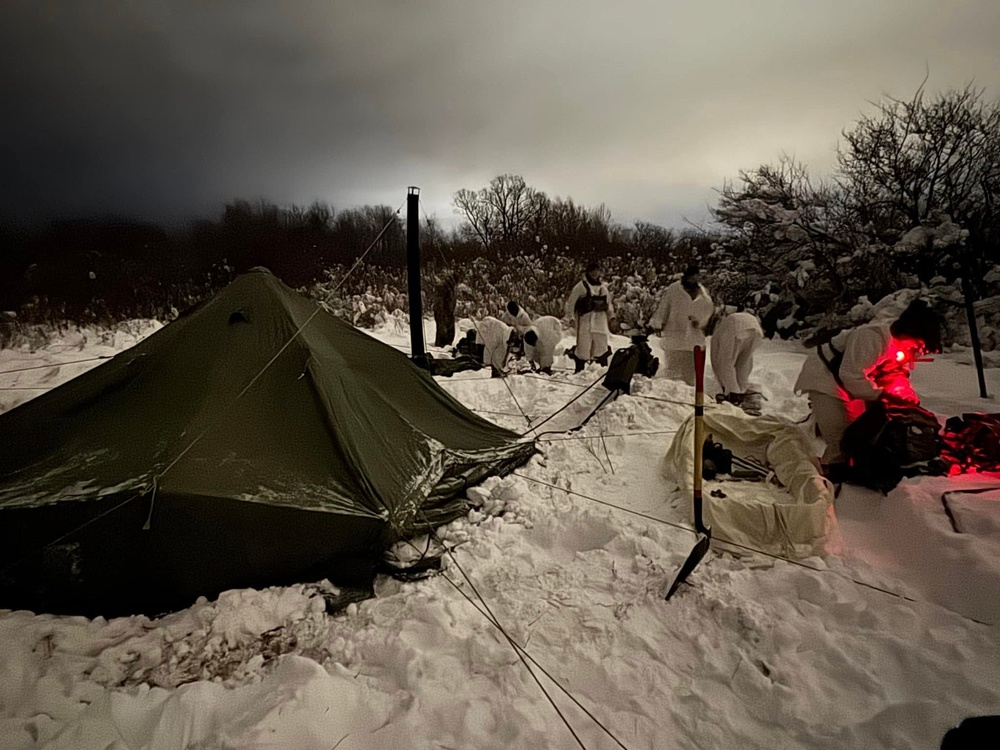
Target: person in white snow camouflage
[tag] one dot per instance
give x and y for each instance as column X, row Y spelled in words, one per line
column 541, row 340
column 681, row 316
column 861, row 365
column 734, row 341
column 497, row 339
column 590, row 305
column 518, row 318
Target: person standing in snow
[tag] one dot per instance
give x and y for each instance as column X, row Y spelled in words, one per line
column 681, row 316
column 541, row 340
column 517, row 317
column 590, row 305
column 734, row 341
column 497, row 339
column 444, row 309
column 861, row 365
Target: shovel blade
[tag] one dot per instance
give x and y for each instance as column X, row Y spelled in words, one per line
column 698, row 553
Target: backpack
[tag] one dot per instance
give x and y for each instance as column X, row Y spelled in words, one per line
column 635, row 359
column 622, row 368
column 890, row 441
column 715, row 459
column 648, row 364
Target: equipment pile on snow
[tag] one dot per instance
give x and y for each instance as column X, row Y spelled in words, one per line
column 765, row 520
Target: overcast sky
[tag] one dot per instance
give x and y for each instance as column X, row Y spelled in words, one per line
column 166, row 109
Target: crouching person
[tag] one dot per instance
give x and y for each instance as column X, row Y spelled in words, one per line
column 497, row 338
column 517, row 317
column 540, row 342
column 859, row 366
column 590, row 305
column 734, row 341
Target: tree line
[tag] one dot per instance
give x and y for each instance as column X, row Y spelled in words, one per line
column 101, row 270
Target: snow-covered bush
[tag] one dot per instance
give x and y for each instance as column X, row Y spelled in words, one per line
column 538, row 281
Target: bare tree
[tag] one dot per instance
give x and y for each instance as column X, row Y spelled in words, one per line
column 923, row 163
column 355, row 229
column 503, row 212
column 796, row 238
column 319, row 216
column 585, row 231
column 478, row 216
column 652, row 240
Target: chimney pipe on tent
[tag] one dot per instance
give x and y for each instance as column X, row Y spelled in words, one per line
column 417, row 353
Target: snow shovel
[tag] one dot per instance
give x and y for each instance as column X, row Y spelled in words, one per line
column 705, row 533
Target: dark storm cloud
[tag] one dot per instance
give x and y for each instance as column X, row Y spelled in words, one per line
column 167, row 108
column 126, row 107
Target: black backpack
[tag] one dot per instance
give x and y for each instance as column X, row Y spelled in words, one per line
column 637, row 359
column 890, row 441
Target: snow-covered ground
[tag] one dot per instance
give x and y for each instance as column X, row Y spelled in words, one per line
column 753, row 653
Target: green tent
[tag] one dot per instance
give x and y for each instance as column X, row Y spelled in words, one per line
column 257, row 440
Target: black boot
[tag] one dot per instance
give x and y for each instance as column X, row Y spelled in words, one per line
column 578, row 364
column 603, row 359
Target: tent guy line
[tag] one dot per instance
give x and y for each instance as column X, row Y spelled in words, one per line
column 607, row 455
column 504, row 379
column 57, row 364
column 522, row 655
column 601, row 436
column 521, row 649
column 723, row 540
column 427, row 221
column 532, row 428
column 634, row 395
column 504, row 413
column 496, row 622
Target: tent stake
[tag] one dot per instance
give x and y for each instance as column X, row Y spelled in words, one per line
column 149, row 519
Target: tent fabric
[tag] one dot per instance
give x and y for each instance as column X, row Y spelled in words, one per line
column 765, row 521
column 256, row 397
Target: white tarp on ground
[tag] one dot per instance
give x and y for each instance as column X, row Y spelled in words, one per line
column 794, row 524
